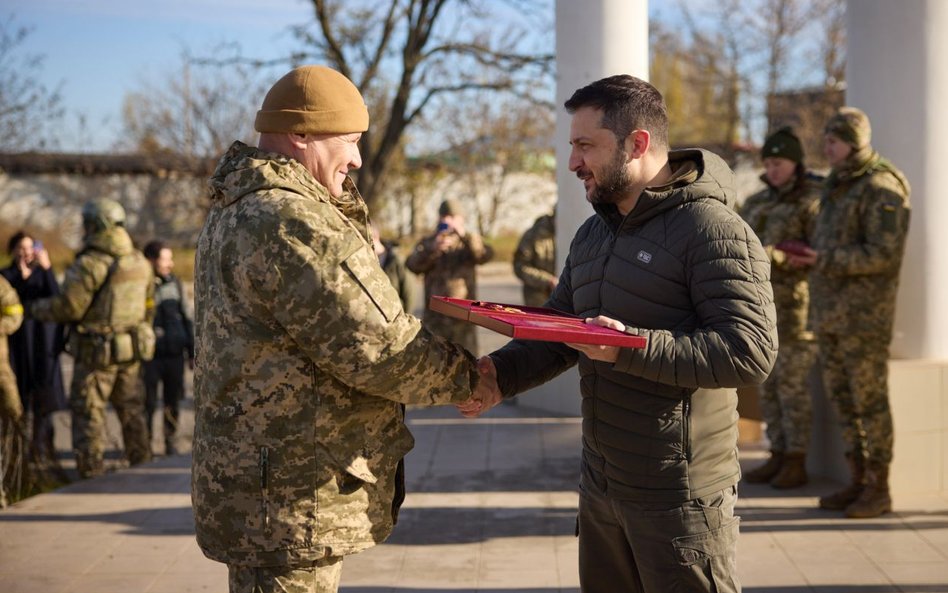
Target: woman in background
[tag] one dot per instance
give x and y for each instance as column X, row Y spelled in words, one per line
column 35, row 347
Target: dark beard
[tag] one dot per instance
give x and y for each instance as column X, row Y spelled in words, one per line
column 615, row 185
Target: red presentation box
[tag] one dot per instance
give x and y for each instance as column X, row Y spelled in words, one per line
column 533, row 323
column 792, row 246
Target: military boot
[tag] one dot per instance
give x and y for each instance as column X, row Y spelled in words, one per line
column 841, row 499
column 792, row 473
column 767, row 471
column 874, row 499
column 89, row 465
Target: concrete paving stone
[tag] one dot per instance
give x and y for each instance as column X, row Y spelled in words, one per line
column 888, row 545
column 112, row 583
column 909, row 575
column 36, row 582
column 833, row 573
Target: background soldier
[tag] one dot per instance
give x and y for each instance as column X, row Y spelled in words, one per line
column 107, row 300
column 858, row 243
column 394, row 267
column 449, row 258
column 535, row 261
column 174, row 342
column 786, row 210
column 304, row 353
column 11, row 408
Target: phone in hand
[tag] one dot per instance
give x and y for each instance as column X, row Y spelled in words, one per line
column 37, row 245
column 442, row 227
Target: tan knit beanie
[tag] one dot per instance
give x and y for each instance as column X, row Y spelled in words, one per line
column 313, row 100
column 850, row 125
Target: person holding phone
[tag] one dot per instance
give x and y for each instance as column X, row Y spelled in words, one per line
column 448, row 259
column 35, row 348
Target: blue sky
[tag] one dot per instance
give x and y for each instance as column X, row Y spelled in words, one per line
column 100, row 49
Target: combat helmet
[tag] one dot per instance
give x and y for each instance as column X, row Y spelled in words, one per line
column 102, row 214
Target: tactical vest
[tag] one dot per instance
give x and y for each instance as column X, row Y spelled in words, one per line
column 114, row 328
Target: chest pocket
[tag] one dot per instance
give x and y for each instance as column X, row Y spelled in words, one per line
column 363, row 266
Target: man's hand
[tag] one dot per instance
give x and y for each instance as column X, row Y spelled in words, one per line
column 486, row 394
column 597, row 352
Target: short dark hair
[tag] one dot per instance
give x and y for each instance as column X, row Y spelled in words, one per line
column 16, row 239
column 627, row 104
column 153, row 249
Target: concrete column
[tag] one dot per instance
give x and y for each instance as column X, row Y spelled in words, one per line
column 594, row 39
column 904, row 89
column 896, row 73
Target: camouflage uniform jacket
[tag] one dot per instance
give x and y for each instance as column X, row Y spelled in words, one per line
column 451, row 273
column 11, row 316
column 860, row 236
column 303, row 359
column 777, row 214
column 93, row 308
column 535, row 260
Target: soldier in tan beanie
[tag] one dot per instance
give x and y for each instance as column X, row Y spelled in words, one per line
column 857, row 243
column 304, row 355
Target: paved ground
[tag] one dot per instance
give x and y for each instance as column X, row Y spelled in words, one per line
column 491, row 508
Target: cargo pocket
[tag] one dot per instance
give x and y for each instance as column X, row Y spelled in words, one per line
column 712, row 553
column 363, row 266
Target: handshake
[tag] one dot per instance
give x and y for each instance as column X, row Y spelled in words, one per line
column 486, row 394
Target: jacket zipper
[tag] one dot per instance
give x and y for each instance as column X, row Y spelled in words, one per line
column 265, row 487
column 686, row 428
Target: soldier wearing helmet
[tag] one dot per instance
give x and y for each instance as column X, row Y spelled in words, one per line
column 107, row 302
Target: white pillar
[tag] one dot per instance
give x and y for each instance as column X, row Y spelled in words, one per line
column 902, row 85
column 594, row 39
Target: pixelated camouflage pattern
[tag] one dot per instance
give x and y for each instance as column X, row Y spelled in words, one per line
column 777, row 214
column 856, row 378
column 860, row 236
column 303, row 359
column 11, row 316
column 321, row 578
column 534, row 261
column 785, row 399
column 96, row 317
column 452, row 273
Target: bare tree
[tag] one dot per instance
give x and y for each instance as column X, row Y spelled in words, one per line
column 489, row 143
column 404, row 55
column 831, row 18
column 195, row 112
column 736, row 57
column 28, row 109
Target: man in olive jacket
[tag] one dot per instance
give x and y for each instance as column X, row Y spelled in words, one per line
column 666, row 258
column 304, row 355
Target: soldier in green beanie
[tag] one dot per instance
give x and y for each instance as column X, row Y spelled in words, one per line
column 857, row 248
column 783, row 211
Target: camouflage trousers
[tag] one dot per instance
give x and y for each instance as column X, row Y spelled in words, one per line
column 856, row 379
column 455, row 330
column 322, row 578
column 785, row 398
column 91, row 390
